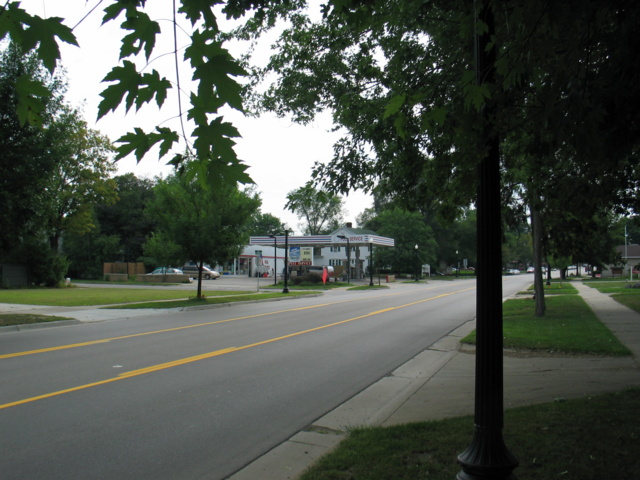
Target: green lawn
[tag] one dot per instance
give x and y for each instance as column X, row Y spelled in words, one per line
column 557, row 287
column 569, row 326
column 77, row 297
column 212, row 300
column 27, row 319
column 588, row 439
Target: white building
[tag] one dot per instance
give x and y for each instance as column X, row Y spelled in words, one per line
column 345, row 245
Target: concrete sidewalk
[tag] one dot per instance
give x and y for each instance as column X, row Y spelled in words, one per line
column 439, row 383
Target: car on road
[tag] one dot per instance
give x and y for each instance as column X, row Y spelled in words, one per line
column 531, row 270
column 166, row 271
column 208, row 273
column 513, row 271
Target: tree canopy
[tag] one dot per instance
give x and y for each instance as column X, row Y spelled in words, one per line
column 207, row 225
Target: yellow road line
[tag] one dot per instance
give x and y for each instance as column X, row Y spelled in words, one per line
column 204, row 356
column 168, row 330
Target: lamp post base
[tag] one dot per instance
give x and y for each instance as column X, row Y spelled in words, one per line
column 487, row 458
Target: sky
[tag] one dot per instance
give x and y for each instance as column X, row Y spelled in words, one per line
column 279, row 153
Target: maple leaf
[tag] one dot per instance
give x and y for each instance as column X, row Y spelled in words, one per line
column 144, row 32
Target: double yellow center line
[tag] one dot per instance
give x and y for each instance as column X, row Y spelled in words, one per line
column 195, row 358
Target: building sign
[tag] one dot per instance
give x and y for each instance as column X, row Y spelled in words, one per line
column 300, row 255
column 352, row 239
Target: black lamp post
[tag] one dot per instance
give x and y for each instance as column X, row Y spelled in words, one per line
column 286, row 261
column 417, row 262
column 371, row 264
column 343, row 237
column 487, row 457
column 275, row 259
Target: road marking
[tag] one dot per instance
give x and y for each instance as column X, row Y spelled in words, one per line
column 175, row 329
column 204, row 356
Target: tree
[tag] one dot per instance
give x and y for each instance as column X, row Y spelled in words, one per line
column 81, row 178
column 321, row 211
column 22, row 182
column 126, row 218
column 265, row 224
column 408, row 229
column 208, row 225
column 163, row 250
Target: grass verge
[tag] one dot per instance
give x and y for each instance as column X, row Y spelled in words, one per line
column 11, row 319
column 569, row 326
column 81, row 297
column 209, row 300
column 587, row 439
column 557, row 288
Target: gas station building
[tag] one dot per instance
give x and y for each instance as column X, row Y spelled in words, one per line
column 265, row 254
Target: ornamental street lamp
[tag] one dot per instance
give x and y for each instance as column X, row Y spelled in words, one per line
column 275, row 259
column 371, row 264
column 343, row 237
column 286, row 261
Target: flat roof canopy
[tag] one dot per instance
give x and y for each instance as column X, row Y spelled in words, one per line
column 323, row 240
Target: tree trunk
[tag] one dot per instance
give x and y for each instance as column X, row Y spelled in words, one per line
column 536, row 223
column 199, row 294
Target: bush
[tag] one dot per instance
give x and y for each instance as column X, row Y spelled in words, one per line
column 307, row 278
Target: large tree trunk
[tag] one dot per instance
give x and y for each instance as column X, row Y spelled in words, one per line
column 536, row 223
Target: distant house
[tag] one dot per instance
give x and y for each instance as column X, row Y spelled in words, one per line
column 630, row 258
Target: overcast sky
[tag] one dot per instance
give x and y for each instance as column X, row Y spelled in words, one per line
column 280, row 154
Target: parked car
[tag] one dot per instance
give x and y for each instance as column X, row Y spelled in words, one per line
column 513, row 271
column 319, row 269
column 208, row 273
column 531, row 270
column 166, row 271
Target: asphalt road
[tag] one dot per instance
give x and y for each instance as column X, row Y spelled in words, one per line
column 199, row 394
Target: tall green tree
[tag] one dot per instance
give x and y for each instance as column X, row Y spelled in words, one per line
column 208, row 225
column 81, row 178
column 408, row 229
column 265, row 224
column 25, row 164
column 322, row 212
column 126, row 218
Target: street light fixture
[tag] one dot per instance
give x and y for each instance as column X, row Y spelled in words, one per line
column 417, row 262
column 343, row 237
column 275, row 259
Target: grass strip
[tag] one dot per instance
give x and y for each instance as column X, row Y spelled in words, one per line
column 569, row 326
column 586, row 439
column 10, row 319
column 557, row 288
column 194, row 302
column 79, row 297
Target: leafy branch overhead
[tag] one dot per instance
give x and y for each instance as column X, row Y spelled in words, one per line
column 130, row 83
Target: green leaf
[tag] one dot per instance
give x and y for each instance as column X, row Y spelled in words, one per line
column 194, row 10
column 128, row 82
column 138, row 88
column 140, row 142
column 143, row 35
column 394, row 105
column 29, row 105
column 40, row 33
